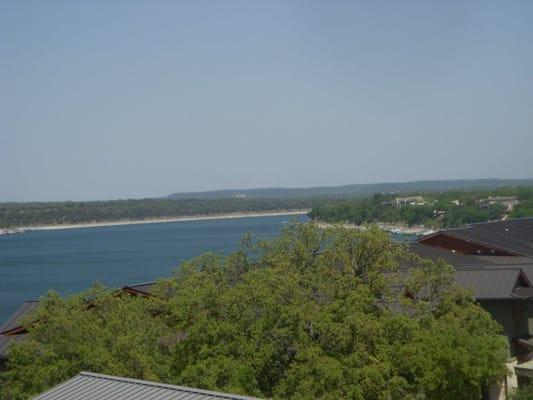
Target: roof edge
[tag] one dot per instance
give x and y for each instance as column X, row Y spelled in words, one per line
column 166, row 386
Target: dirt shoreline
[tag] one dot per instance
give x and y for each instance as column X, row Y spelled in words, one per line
column 185, row 218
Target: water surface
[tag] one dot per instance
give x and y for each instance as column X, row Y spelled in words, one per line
column 70, row 260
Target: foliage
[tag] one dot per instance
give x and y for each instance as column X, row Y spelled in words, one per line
column 70, row 212
column 312, row 314
column 440, row 210
column 523, row 393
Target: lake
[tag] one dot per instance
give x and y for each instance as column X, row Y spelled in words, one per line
column 70, row 260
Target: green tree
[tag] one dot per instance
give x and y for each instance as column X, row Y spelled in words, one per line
column 312, row 314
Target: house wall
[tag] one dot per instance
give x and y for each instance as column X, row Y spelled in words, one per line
column 503, row 312
column 513, row 316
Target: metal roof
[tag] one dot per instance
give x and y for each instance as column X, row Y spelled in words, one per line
column 490, row 283
column 454, row 258
column 90, row 386
column 518, row 228
column 141, row 288
column 491, row 277
column 5, row 342
column 458, row 260
column 434, row 253
column 14, row 321
column 514, row 236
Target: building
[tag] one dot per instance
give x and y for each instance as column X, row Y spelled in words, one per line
column 512, row 237
column 15, row 328
column 495, row 259
column 90, row 386
column 139, row 289
column 409, row 201
column 509, row 202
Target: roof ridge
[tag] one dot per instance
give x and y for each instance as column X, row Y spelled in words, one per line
column 483, row 268
column 141, row 284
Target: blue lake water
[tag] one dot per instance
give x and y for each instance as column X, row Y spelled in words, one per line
column 70, row 260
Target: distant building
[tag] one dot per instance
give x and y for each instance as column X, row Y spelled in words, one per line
column 509, row 202
column 409, row 201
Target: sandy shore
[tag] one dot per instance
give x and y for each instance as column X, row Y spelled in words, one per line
column 163, row 220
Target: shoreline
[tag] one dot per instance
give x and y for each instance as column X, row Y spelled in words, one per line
column 184, row 218
column 392, row 228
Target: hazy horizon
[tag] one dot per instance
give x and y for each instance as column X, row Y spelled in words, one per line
column 143, row 99
column 237, row 189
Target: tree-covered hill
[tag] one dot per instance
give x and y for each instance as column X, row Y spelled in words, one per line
column 432, row 209
column 310, row 315
column 57, row 213
column 356, row 190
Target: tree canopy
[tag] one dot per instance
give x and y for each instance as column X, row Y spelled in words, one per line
column 437, row 210
column 76, row 212
column 312, row 314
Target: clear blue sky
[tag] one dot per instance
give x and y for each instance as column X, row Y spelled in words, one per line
column 120, row 99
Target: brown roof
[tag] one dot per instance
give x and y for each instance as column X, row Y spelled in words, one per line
column 513, row 236
column 143, row 289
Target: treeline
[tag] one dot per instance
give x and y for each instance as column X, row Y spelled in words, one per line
column 436, row 210
column 56, row 213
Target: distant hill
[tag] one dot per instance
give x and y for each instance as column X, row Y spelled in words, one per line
column 354, row 190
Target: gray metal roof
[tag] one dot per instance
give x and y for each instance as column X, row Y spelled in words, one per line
column 482, row 283
column 14, row 321
column 490, row 283
column 90, row 386
column 518, row 228
column 7, row 340
column 491, row 277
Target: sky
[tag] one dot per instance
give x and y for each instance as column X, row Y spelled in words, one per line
column 131, row 99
